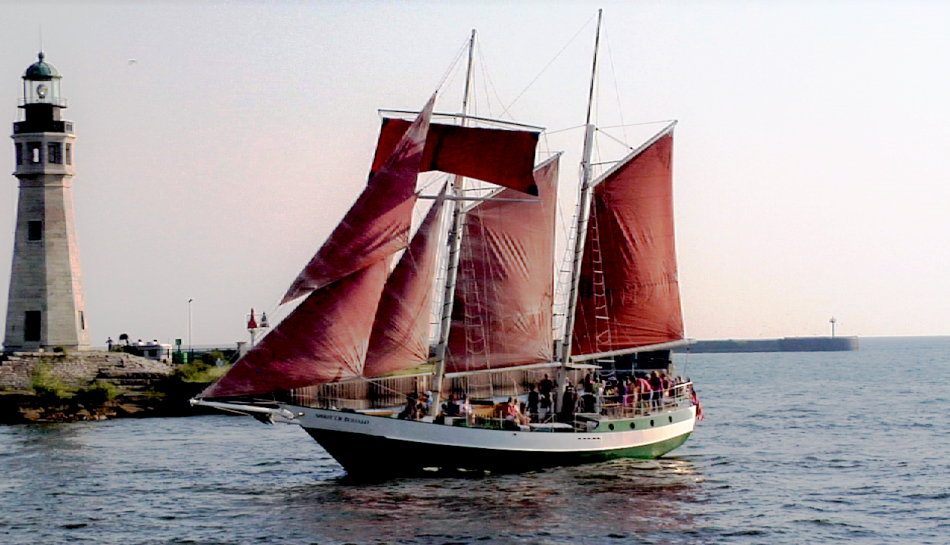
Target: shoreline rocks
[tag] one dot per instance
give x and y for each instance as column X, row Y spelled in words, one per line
column 139, row 388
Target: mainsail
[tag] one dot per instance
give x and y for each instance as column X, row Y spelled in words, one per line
column 324, row 339
column 502, row 311
column 629, row 290
column 501, row 156
column 400, row 338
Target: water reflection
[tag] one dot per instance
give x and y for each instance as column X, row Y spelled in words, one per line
column 598, row 502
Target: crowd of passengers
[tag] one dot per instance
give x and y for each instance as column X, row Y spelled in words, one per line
column 637, row 394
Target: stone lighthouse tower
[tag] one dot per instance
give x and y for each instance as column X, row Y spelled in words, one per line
column 46, row 306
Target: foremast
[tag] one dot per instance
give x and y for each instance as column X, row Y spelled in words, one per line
column 583, row 218
column 454, row 248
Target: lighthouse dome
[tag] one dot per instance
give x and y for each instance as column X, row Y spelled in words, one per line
column 41, row 70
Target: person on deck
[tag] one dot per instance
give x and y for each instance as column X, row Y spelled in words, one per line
column 656, row 384
column 451, row 407
column 533, row 402
column 513, row 413
column 567, row 408
column 645, row 394
column 545, row 386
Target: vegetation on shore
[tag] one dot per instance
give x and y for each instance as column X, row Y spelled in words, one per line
column 50, row 398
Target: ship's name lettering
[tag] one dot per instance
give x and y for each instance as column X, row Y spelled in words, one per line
column 341, row 418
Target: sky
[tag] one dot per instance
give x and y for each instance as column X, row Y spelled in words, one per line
column 219, row 143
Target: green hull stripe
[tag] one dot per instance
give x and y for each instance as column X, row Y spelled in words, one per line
column 377, row 455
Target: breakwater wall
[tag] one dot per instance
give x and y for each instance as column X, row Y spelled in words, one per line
column 786, row 344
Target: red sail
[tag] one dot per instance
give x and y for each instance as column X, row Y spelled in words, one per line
column 323, row 340
column 378, row 224
column 629, row 291
column 500, row 156
column 400, row 338
column 502, row 311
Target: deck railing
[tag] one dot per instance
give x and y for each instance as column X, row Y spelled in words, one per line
column 391, row 393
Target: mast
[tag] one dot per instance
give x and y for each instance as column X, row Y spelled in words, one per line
column 583, row 217
column 454, row 247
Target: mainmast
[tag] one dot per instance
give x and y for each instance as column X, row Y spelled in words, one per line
column 454, row 246
column 583, row 217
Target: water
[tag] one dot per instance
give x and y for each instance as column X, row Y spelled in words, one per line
column 796, row 448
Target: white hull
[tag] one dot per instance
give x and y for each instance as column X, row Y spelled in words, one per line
column 377, row 444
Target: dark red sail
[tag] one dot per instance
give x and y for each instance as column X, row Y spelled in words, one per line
column 400, row 338
column 501, row 316
column 500, row 156
column 324, row 339
column 629, row 290
column 378, row 223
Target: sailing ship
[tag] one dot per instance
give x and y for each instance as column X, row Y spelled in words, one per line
column 340, row 364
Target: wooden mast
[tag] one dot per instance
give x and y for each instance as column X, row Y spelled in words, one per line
column 583, row 217
column 454, row 247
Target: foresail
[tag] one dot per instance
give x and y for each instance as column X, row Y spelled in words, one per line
column 629, row 290
column 378, row 223
column 502, row 312
column 400, row 338
column 323, row 340
column 500, row 156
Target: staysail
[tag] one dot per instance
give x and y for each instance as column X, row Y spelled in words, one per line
column 325, row 338
column 629, row 291
column 378, row 224
column 400, row 338
column 502, row 311
column 501, row 156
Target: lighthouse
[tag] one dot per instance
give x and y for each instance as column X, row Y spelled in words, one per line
column 46, row 305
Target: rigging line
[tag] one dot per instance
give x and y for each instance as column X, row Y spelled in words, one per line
column 610, row 61
column 453, row 64
column 615, row 139
column 564, row 130
column 487, row 82
column 641, row 124
column 543, row 70
column 430, row 183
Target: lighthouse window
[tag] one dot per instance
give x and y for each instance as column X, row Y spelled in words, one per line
column 55, row 152
column 34, row 230
column 19, row 154
column 69, row 154
column 31, row 326
column 35, row 152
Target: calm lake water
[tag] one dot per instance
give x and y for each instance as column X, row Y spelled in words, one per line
column 795, row 448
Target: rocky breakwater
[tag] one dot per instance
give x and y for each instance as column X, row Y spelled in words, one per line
column 88, row 385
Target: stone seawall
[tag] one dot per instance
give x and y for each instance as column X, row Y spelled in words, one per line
column 144, row 387
column 77, row 369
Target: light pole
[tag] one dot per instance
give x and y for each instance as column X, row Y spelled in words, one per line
column 833, row 321
column 189, row 324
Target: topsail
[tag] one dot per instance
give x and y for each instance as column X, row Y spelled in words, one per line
column 500, row 156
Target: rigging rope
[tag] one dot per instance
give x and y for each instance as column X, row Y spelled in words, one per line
column 610, row 61
column 543, row 70
column 452, row 66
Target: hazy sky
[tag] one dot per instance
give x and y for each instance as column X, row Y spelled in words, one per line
column 810, row 160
